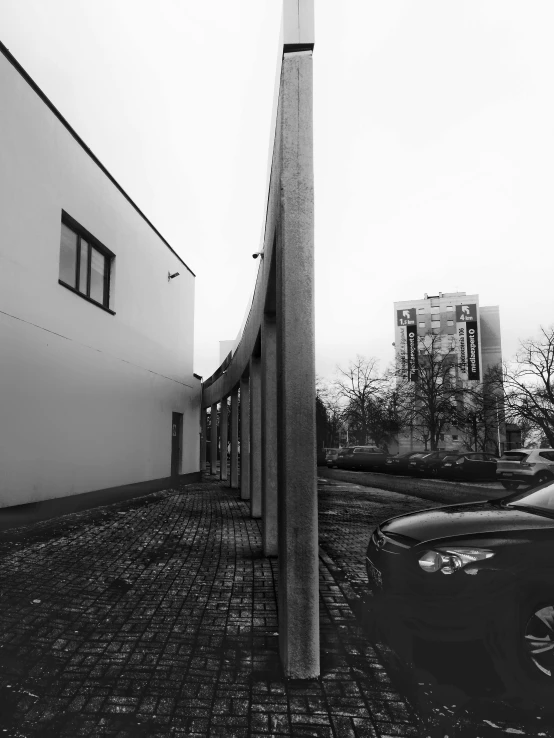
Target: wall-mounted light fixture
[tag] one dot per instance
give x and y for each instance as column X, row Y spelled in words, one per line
column 172, row 276
column 258, row 253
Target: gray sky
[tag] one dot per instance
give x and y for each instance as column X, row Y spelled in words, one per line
column 434, row 150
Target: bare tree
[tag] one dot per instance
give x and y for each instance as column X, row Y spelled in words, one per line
column 359, row 387
column 432, row 401
column 368, row 401
column 528, row 384
column 334, row 409
column 480, row 412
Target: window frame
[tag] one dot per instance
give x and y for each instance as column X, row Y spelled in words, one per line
column 83, row 233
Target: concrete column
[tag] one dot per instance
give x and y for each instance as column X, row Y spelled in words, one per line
column 235, row 438
column 203, row 439
column 297, row 505
column 213, row 440
column 269, row 436
column 245, row 438
column 223, row 420
column 256, row 437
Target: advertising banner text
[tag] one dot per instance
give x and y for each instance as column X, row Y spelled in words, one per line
column 412, row 357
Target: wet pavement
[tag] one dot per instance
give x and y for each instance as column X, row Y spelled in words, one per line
column 455, row 688
column 158, row 617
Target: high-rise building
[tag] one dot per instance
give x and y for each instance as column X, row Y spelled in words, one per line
column 469, row 332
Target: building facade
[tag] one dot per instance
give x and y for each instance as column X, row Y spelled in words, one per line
column 469, row 332
column 97, row 390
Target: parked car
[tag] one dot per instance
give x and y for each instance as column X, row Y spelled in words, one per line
column 399, row 464
column 529, row 466
column 476, row 466
column 479, row 571
column 343, row 459
column 429, row 463
column 331, row 455
column 361, row 458
column 366, row 458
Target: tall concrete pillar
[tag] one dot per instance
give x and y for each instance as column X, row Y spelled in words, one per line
column 298, row 541
column 203, row 439
column 235, row 438
column 213, row 440
column 223, row 421
column 256, row 437
column 245, row 438
column 269, row 436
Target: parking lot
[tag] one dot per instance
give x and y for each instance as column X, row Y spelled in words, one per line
column 439, row 490
column 351, row 505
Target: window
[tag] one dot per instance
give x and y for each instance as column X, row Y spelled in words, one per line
column 435, row 309
column 454, row 438
column 85, row 264
column 514, row 456
column 450, row 308
column 422, row 324
column 421, row 310
column 449, row 323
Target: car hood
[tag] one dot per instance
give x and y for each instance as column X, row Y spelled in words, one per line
column 462, row 520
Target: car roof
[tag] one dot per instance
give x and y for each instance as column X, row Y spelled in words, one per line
column 526, row 450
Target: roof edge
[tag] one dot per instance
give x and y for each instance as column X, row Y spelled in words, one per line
column 17, row 66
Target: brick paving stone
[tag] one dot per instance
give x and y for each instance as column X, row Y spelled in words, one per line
column 158, row 617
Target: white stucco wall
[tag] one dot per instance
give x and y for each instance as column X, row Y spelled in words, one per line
column 86, row 397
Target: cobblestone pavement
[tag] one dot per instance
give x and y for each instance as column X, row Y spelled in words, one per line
column 347, row 515
column 157, row 617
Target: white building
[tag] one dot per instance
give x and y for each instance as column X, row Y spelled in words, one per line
column 457, row 317
column 97, row 390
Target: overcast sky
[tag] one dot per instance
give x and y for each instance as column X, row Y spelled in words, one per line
column 434, row 147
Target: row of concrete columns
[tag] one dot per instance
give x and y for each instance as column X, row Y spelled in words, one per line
column 258, row 433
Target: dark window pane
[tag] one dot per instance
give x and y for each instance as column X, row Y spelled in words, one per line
column 97, row 272
column 68, row 256
column 84, row 267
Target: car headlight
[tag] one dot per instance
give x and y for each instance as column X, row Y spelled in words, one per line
column 451, row 559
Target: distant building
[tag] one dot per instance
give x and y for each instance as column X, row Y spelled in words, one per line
column 96, row 320
column 474, row 333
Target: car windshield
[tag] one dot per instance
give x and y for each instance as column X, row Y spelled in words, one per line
column 540, row 499
column 514, row 456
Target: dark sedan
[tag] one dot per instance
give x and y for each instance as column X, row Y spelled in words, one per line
column 429, row 463
column 474, row 571
column 470, row 466
column 344, row 458
column 399, row 464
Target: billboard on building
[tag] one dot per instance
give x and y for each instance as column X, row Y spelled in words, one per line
column 407, row 350
column 412, row 365
column 467, row 339
column 473, row 369
column 406, row 316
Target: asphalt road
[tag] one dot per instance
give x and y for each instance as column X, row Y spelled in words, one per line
column 350, row 506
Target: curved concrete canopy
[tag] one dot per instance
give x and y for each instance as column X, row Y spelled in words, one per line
column 297, row 33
